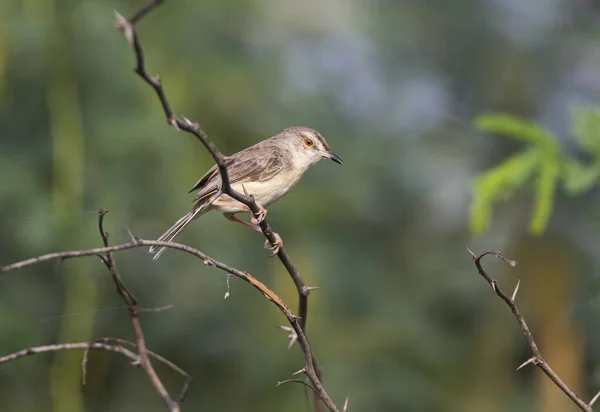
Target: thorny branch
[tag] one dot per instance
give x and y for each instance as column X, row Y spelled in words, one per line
column 106, row 254
column 127, row 26
column 536, row 356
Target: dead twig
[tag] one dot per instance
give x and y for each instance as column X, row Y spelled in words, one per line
column 70, row 346
column 141, row 358
column 134, row 310
column 122, row 343
column 536, row 356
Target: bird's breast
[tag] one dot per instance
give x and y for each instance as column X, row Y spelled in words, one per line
column 269, row 191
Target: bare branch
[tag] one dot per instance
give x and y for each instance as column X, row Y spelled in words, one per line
column 128, row 29
column 265, row 291
column 127, row 26
column 70, row 346
column 134, row 310
column 536, row 358
column 159, row 358
column 300, row 381
column 143, row 356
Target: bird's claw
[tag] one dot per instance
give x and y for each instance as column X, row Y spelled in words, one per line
column 275, row 246
column 262, row 213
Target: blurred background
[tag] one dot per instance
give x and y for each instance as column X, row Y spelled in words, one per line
column 402, row 321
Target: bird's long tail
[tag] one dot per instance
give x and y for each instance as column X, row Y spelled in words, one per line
column 170, row 234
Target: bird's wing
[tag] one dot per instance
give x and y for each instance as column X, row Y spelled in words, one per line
column 248, row 166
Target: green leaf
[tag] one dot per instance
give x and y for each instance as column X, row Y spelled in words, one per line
column 544, row 194
column 498, row 184
column 518, row 129
column 578, row 177
column 586, row 129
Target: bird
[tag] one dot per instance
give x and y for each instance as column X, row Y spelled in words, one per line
column 267, row 170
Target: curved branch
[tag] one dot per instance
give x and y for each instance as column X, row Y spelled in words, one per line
column 70, row 346
column 536, row 356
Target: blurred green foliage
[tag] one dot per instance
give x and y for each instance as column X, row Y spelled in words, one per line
column 401, row 321
column 541, row 164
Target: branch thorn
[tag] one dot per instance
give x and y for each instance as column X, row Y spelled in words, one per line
column 292, row 335
column 473, row 255
column 133, row 239
column 301, row 371
column 533, row 360
column 173, row 122
column 122, row 24
column 514, row 295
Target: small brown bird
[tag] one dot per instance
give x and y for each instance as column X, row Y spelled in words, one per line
column 266, row 170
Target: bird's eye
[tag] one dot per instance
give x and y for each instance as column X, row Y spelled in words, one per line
column 309, row 142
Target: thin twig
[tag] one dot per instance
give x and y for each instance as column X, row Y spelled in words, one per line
column 69, row 346
column 536, row 356
column 300, row 381
column 159, row 358
column 133, row 308
column 594, row 399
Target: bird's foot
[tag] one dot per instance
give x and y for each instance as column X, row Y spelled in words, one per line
column 275, row 246
column 262, row 213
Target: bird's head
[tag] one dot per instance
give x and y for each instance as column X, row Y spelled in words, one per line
column 308, row 145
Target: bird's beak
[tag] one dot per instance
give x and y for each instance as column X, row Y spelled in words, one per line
column 334, row 157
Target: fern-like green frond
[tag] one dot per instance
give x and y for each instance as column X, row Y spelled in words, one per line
column 545, row 189
column 578, row 177
column 586, row 129
column 498, row 184
column 518, row 129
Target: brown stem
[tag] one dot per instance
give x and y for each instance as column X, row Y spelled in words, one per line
column 161, row 359
column 69, row 346
column 536, row 356
column 134, row 310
